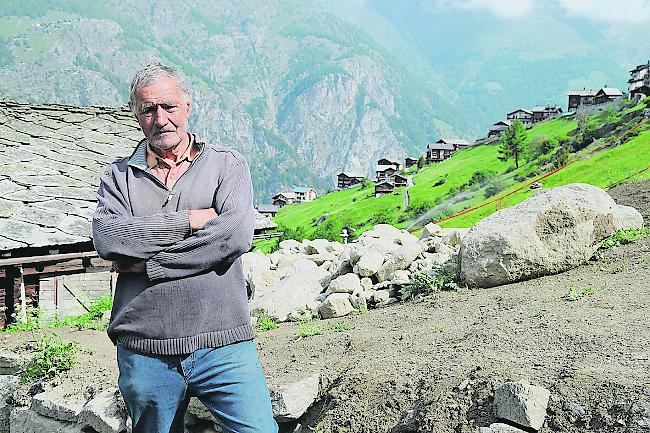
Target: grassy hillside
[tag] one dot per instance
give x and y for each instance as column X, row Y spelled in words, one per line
column 476, row 177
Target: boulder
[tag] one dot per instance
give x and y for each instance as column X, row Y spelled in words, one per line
column 400, row 278
column 52, row 405
column 304, row 282
column 366, row 283
column 522, row 403
column 380, row 297
column 500, row 428
column 551, row 232
column 431, row 230
column 29, row 421
column 291, row 245
column 347, row 283
column 453, row 237
column 10, row 363
column 8, row 385
column 105, row 413
column 291, row 401
column 317, row 246
column 626, row 217
column 369, row 263
column 399, row 260
column 197, row 410
column 336, row 305
column 258, row 273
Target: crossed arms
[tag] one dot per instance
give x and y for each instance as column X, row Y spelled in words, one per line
column 175, row 244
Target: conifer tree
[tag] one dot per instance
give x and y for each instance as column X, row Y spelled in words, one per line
column 512, row 142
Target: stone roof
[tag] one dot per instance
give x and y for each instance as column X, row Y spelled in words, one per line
column 50, row 160
column 302, row 189
column 440, row 146
column 583, row 92
column 351, row 174
column 610, row 91
column 523, row 110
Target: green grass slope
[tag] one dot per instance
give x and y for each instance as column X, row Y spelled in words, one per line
column 475, row 177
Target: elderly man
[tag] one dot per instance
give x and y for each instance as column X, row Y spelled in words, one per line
column 175, row 217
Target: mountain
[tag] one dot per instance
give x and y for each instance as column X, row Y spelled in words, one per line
column 495, row 61
column 302, row 93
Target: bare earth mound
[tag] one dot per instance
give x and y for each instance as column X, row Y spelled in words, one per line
column 433, row 365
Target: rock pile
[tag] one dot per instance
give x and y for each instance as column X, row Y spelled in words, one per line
column 330, row 279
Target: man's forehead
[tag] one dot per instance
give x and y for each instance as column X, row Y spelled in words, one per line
column 160, row 91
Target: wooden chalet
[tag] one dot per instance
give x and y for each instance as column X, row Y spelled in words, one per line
column 399, row 180
column 607, row 94
column 388, row 161
column 385, row 172
column 268, row 210
column 542, row 113
column 498, row 127
column 443, row 148
column 639, row 82
column 384, row 187
column 284, row 198
column 348, row 179
column 524, row 116
column 578, row 98
column 410, row 162
column 52, row 157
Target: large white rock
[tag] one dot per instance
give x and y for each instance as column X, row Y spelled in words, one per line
column 317, row 246
column 369, row 263
column 347, row 283
column 258, row 273
column 295, row 292
column 522, row 403
column 291, row 401
column 551, row 232
column 8, row 385
column 28, row 421
column 626, row 217
column 336, row 305
column 105, row 413
column 431, row 230
column 454, row 236
column 399, row 260
column 52, row 404
column 500, row 428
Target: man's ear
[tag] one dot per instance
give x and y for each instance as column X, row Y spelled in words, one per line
column 189, row 106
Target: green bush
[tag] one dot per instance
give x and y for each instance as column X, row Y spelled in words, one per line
column 52, row 356
column 626, row 236
column 426, row 283
column 495, row 186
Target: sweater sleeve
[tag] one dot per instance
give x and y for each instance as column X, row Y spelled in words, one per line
column 120, row 236
column 221, row 241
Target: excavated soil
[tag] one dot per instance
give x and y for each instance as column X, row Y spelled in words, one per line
column 432, row 365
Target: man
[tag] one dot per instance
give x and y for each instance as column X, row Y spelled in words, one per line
column 175, row 217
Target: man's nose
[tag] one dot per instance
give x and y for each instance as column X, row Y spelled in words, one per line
column 160, row 116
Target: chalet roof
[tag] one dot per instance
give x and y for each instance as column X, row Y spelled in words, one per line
column 583, row 92
column 390, row 160
column 610, row 91
column 440, row 146
column 302, row 189
column 50, row 159
column 385, row 183
column 500, row 124
column 285, row 194
column 264, row 222
column 412, row 158
column 385, row 168
column 401, row 177
column 351, row 174
column 267, row 208
column 454, row 140
column 641, row 67
column 523, row 110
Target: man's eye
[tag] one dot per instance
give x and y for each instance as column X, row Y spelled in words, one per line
column 170, row 108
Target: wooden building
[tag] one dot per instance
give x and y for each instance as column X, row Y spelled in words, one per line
column 53, row 155
column 578, row 98
column 399, row 180
column 498, row 127
column 607, row 94
column 388, row 161
column 385, row 172
column 384, row 187
column 283, row 198
column 348, row 179
column 443, row 148
column 542, row 113
column 410, row 162
column 268, row 210
column 639, row 82
column 524, row 116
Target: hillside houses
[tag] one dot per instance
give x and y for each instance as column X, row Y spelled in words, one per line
column 639, row 82
column 443, row 148
column 345, row 180
column 585, row 97
column 524, row 116
column 298, row 194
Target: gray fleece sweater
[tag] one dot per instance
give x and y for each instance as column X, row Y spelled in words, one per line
column 193, row 294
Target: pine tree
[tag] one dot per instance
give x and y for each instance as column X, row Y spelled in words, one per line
column 512, row 142
column 421, row 162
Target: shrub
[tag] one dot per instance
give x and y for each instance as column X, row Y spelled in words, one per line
column 426, row 283
column 52, row 356
column 626, row 236
column 495, row 186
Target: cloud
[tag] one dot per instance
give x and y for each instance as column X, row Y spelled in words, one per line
column 632, row 11
column 502, row 8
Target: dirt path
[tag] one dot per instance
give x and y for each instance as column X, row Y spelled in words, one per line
column 398, row 368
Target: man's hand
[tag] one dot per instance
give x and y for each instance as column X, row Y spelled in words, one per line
column 199, row 217
column 136, row 268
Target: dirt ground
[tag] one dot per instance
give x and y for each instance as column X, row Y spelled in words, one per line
column 432, row 365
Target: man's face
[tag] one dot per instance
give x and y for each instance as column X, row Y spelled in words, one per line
column 163, row 113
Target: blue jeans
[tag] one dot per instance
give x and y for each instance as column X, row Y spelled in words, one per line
column 228, row 381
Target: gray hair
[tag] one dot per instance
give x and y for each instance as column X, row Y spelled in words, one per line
column 151, row 73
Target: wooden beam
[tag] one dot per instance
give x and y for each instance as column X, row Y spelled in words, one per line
column 45, row 259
